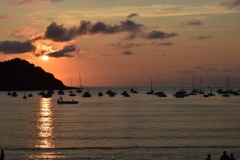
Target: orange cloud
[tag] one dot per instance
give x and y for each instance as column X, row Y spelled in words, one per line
column 23, row 31
column 4, row 17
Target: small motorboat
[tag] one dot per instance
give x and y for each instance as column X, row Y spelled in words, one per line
column 79, row 91
column 60, row 92
column 87, row 94
column 225, row 95
column 50, row 92
column 24, row 97
column 47, row 95
column 30, row 95
column 72, row 94
column 41, row 93
column 125, row 94
column 133, row 91
column 14, row 94
column 111, row 93
column 100, row 94
column 160, row 94
column 205, row 95
column 61, row 101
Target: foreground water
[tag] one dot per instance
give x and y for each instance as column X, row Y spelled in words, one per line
column 138, row 127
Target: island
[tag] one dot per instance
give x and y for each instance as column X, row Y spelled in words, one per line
column 19, row 75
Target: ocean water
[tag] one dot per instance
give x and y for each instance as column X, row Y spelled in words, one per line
column 140, row 127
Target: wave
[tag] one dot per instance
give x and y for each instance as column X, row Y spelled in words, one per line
column 125, row 147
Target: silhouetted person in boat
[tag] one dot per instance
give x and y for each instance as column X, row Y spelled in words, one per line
column 225, row 156
column 208, row 157
column 2, row 155
column 231, row 157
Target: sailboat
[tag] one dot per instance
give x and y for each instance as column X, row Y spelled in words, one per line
column 150, row 92
column 200, row 87
column 71, row 92
column 80, row 82
column 194, row 91
column 226, row 93
column 24, row 97
column 182, row 93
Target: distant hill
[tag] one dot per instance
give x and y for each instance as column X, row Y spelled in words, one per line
column 17, row 74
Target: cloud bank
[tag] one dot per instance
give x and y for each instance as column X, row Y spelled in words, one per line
column 58, row 41
column 16, row 47
column 192, row 23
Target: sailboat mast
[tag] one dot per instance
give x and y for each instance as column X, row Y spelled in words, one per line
column 80, row 81
column 193, row 83
column 151, row 83
column 226, row 82
column 229, row 83
column 200, row 84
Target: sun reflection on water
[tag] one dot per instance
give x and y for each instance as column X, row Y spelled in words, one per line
column 45, row 124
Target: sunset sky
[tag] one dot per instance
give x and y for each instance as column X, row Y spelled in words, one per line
column 125, row 42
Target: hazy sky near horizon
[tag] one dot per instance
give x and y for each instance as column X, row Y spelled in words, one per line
column 112, row 42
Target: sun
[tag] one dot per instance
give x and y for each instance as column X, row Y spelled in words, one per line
column 44, row 57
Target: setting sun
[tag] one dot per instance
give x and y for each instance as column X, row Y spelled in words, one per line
column 44, row 57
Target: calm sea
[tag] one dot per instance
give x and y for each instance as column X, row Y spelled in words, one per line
column 140, row 127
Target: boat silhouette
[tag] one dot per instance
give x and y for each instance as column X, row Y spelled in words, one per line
column 61, row 101
column 194, row 90
column 151, row 91
column 87, row 94
column 226, row 92
column 80, row 83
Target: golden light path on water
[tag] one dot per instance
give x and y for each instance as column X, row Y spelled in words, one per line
column 45, row 130
column 44, row 125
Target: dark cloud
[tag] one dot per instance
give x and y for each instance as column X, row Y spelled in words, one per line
column 84, row 27
column 203, row 37
column 64, row 52
column 132, row 15
column 162, row 43
column 16, row 47
column 192, row 23
column 158, row 35
column 129, row 25
column 127, row 52
column 231, row 4
column 121, row 45
column 59, row 33
column 101, row 27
